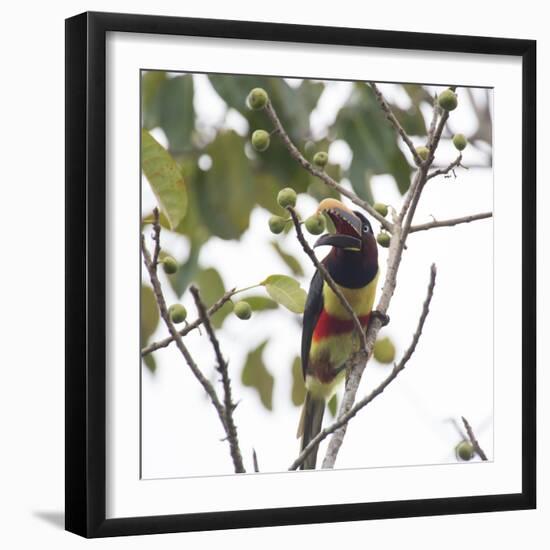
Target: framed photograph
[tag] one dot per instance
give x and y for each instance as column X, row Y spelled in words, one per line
column 300, row 274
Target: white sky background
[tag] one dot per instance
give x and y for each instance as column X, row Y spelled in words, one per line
column 450, row 374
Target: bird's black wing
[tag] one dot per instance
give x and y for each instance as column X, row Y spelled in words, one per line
column 312, row 311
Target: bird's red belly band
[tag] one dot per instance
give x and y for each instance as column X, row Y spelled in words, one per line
column 328, row 325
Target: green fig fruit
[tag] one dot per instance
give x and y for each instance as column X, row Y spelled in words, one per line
column 257, row 99
column 277, row 224
column 460, row 141
column 315, row 224
column 381, row 208
column 286, row 197
column 177, row 313
column 465, row 450
column 383, row 239
column 448, row 100
column 384, row 350
column 320, row 159
column 423, row 152
column 260, row 140
column 242, row 310
column 169, row 265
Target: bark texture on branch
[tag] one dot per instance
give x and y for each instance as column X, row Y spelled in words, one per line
column 343, row 420
column 151, row 267
column 473, row 440
column 399, row 229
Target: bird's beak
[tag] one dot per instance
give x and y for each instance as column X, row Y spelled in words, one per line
column 347, row 224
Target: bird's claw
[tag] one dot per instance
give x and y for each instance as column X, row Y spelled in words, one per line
column 384, row 317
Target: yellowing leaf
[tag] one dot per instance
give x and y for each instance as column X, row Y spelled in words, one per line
column 286, row 291
column 165, row 178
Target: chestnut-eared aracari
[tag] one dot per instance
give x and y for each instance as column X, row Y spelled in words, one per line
column 328, row 337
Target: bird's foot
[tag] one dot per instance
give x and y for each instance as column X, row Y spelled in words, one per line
column 384, row 317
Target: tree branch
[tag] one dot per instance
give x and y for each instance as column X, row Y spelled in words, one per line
column 321, row 174
column 161, row 302
column 358, row 361
column 222, row 368
column 395, row 123
column 450, row 223
column 328, row 279
column 473, row 440
column 409, row 208
column 414, row 186
column 255, row 461
column 191, row 326
column 345, row 418
column 443, row 171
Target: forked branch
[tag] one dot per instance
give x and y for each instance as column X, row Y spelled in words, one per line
column 151, row 266
column 361, row 404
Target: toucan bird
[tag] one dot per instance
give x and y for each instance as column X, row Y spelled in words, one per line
column 328, row 337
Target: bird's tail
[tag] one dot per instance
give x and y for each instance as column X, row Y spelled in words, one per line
column 310, row 425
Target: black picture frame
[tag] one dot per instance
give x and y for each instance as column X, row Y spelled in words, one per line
column 86, row 274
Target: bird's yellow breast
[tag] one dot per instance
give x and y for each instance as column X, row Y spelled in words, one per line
column 332, row 350
column 360, row 299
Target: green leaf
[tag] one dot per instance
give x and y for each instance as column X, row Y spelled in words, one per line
column 165, row 178
column 411, row 120
column 212, row 289
column 298, row 393
column 286, row 291
column 151, row 83
column 319, row 191
column 177, row 114
column 192, row 224
column 373, row 141
column 225, row 193
column 260, row 303
column 292, row 263
column 293, row 107
column 332, row 405
column 256, row 375
column 149, row 314
column 266, row 188
column 418, row 94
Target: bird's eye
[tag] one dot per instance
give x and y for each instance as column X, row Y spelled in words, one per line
column 366, row 228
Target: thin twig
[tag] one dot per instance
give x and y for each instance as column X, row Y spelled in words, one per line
column 222, row 368
column 446, row 170
column 191, row 326
column 395, row 123
column 345, row 418
column 473, row 440
column 421, row 176
column 321, row 174
column 451, row 222
column 328, row 279
column 433, row 124
column 255, row 461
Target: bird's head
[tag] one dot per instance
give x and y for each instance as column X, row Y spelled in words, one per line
column 353, row 229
